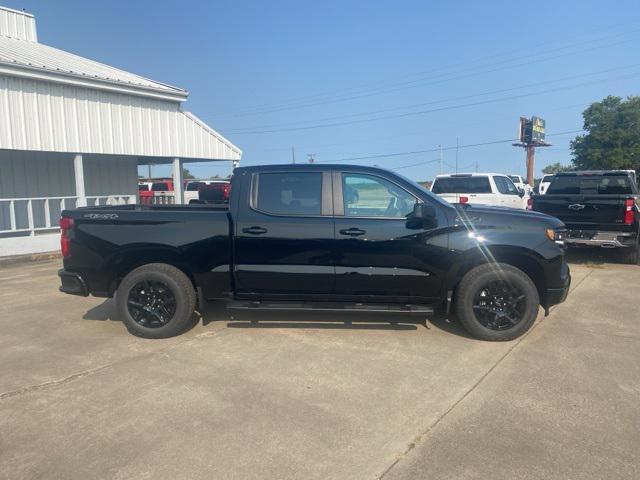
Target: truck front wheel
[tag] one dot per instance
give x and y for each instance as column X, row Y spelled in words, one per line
column 497, row 302
column 156, row 301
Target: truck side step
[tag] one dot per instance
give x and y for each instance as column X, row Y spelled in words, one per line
column 329, row 307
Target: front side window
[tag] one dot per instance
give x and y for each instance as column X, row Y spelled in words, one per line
column 478, row 184
column 505, row 186
column 371, row 196
column 290, row 193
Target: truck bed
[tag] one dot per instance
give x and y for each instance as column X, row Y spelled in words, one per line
column 107, row 238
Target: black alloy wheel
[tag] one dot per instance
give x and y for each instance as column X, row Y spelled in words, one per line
column 496, row 302
column 498, row 305
column 151, row 303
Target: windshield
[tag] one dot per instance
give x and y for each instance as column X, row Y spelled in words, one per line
column 423, row 190
column 591, row 185
column 515, row 178
column 461, row 185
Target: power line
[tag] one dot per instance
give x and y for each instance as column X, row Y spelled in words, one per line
column 439, row 109
column 431, row 150
column 463, row 97
column 286, row 105
column 484, row 121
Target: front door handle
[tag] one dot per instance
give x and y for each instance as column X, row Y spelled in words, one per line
column 352, row 232
column 254, row 230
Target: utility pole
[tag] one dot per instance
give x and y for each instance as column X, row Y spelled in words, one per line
column 531, row 135
column 457, row 150
column 476, row 165
column 149, row 171
column 440, row 159
column 312, row 157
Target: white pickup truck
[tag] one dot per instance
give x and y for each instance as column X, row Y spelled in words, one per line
column 479, row 188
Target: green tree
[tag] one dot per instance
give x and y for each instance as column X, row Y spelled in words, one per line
column 555, row 168
column 612, row 140
column 187, row 174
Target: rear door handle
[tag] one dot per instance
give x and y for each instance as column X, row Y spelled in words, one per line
column 352, row 232
column 254, row 230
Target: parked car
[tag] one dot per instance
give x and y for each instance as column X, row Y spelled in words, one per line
column 207, row 191
column 520, row 184
column 544, row 184
column 479, row 188
column 318, row 237
column 600, row 208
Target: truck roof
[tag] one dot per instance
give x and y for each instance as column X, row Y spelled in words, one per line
column 593, row 172
column 474, row 174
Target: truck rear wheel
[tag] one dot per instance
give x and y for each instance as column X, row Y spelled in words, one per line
column 156, row 301
column 633, row 254
column 497, row 302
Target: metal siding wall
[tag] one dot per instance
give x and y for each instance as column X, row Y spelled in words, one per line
column 17, row 25
column 44, row 116
column 36, row 174
column 110, row 175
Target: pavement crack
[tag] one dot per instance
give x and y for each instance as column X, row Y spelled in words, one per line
column 421, row 437
column 93, row 371
column 59, row 381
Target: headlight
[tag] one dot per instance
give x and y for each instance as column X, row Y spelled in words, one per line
column 556, row 235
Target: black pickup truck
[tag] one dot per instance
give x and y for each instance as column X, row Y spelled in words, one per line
column 599, row 208
column 320, row 237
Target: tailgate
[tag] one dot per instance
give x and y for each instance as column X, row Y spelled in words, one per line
column 584, row 212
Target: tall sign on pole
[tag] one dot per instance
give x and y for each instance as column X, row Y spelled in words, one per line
column 531, row 135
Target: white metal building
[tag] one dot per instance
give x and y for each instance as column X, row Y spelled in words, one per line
column 73, row 131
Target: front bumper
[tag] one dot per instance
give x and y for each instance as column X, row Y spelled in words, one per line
column 555, row 296
column 592, row 238
column 72, row 283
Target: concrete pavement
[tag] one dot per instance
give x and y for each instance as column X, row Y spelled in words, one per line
column 81, row 398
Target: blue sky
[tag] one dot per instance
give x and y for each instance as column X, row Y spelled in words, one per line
column 352, row 79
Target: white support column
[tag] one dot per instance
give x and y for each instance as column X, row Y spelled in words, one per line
column 177, row 181
column 78, row 170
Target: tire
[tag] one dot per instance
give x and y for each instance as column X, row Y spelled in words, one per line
column 164, row 309
column 633, row 254
column 475, row 304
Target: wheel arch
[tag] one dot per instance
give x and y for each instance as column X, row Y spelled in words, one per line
column 128, row 260
column 521, row 258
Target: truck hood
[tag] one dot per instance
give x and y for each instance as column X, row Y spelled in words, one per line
column 485, row 215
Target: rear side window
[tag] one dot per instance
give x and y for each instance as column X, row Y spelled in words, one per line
column 505, row 186
column 591, row 185
column 461, row 185
column 290, row 193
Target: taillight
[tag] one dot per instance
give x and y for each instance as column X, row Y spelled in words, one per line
column 629, row 214
column 66, row 224
column 464, row 199
column 530, row 203
column 226, row 191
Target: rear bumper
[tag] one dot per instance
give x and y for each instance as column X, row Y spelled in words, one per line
column 600, row 239
column 72, row 283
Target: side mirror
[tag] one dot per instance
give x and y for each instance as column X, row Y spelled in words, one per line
column 521, row 192
column 423, row 216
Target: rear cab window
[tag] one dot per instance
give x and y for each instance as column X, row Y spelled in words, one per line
column 591, row 185
column 288, row 193
column 476, row 184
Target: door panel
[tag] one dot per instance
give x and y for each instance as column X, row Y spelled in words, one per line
column 283, row 241
column 376, row 253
